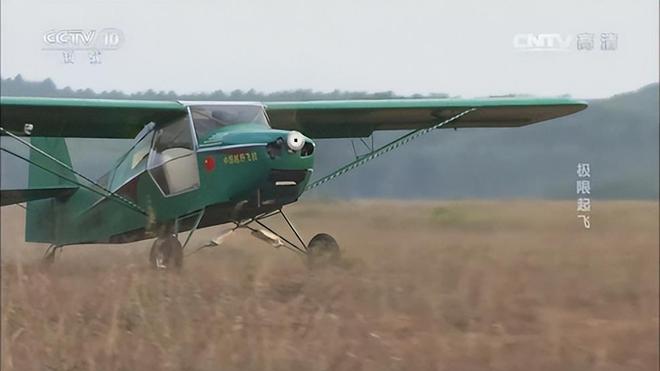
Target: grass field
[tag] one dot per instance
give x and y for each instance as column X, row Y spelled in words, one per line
column 469, row 285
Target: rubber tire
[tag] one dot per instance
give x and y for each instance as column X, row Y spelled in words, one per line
column 172, row 253
column 323, row 250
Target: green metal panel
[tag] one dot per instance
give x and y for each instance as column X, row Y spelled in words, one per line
column 16, row 196
column 359, row 118
column 420, row 103
column 90, row 103
column 85, row 216
column 42, row 216
column 92, row 118
column 88, row 217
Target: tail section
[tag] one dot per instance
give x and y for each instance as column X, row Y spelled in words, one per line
column 47, row 175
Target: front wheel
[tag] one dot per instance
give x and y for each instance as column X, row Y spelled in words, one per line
column 166, row 253
column 322, row 250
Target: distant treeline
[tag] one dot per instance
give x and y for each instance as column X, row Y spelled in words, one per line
column 18, row 86
column 618, row 136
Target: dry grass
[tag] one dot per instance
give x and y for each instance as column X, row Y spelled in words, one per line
column 424, row 286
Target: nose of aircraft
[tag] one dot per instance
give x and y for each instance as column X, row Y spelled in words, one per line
column 291, row 162
column 277, row 163
column 283, row 149
column 295, row 141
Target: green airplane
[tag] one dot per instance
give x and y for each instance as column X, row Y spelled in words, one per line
column 196, row 164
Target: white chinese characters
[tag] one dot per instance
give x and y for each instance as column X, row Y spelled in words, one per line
column 557, row 42
column 583, row 170
column 72, row 41
column 583, row 190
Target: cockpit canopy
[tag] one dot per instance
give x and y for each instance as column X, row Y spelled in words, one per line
column 167, row 150
column 207, row 119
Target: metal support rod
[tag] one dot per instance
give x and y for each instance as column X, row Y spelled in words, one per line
column 50, row 252
column 48, row 249
column 199, row 219
column 292, row 247
column 365, row 144
column 354, row 150
column 50, row 157
column 280, row 236
column 119, row 200
column 264, row 216
column 293, row 229
column 370, row 149
column 44, row 153
column 384, row 149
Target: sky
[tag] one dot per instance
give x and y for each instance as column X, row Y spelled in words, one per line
column 463, row 48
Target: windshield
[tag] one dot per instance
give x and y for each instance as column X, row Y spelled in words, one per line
column 207, row 119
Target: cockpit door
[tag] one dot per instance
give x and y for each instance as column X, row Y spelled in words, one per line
column 172, row 160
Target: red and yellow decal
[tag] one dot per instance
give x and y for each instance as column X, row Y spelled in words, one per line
column 239, row 158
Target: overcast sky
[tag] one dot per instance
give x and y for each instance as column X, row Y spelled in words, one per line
column 461, row 47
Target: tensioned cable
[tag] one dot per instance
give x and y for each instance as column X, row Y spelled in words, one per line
column 76, row 182
column 384, row 149
column 117, row 198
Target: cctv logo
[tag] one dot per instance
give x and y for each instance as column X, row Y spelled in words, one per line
column 542, row 42
column 78, row 39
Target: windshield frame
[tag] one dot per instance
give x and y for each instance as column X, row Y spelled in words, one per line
column 206, row 109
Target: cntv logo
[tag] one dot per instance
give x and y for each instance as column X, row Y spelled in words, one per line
column 81, row 39
column 542, row 42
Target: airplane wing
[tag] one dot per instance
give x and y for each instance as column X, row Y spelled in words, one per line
column 111, row 118
column 359, row 118
column 90, row 118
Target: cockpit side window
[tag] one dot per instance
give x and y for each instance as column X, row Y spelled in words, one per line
column 132, row 162
column 172, row 162
column 175, row 135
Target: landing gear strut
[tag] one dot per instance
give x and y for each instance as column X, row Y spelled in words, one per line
column 322, row 249
column 166, row 253
column 49, row 254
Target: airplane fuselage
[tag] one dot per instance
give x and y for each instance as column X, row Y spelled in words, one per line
column 176, row 178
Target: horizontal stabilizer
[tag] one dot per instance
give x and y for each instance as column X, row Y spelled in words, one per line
column 16, row 196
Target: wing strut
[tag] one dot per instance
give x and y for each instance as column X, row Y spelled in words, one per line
column 110, row 194
column 384, row 149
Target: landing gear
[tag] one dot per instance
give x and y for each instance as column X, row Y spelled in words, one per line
column 322, row 250
column 166, row 253
column 49, row 255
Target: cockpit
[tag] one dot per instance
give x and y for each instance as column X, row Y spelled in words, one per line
column 167, row 149
column 172, row 161
column 208, row 119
